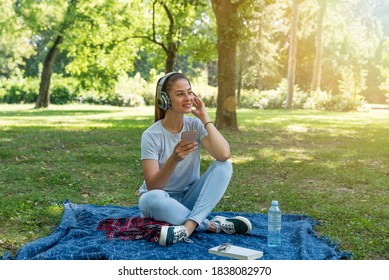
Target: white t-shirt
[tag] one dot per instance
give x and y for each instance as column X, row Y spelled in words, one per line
column 158, row 144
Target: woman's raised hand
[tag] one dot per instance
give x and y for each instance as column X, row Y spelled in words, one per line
column 199, row 107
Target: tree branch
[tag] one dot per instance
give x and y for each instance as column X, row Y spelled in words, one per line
column 171, row 19
column 154, row 38
column 148, row 38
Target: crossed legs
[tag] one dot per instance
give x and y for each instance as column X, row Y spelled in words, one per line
column 190, row 209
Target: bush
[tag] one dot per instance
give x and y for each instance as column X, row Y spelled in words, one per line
column 272, row 99
column 318, row 100
column 128, row 91
column 135, row 91
column 19, row 90
column 321, row 100
column 63, row 90
column 26, row 90
column 384, row 86
column 252, row 99
column 92, row 96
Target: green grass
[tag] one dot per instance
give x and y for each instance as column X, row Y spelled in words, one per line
column 332, row 166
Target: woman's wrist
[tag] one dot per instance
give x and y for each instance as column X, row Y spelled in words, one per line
column 207, row 123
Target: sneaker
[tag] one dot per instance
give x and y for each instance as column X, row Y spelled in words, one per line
column 236, row 224
column 172, row 234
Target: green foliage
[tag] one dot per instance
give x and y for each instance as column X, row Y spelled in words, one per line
column 128, row 92
column 92, row 96
column 13, row 44
column 353, row 31
column 41, row 15
column 180, row 33
column 261, row 50
column 133, row 91
column 384, row 69
column 262, row 99
column 318, row 100
column 342, row 102
column 136, row 91
column 25, row 90
column 272, row 99
column 200, row 42
column 103, row 38
column 99, row 41
column 63, row 90
column 19, row 90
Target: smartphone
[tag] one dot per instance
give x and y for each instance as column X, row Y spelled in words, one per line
column 189, row 135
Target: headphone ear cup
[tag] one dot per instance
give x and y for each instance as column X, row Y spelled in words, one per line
column 162, row 98
column 164, row 101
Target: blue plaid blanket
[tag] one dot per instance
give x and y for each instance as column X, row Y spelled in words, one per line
column 77, row 238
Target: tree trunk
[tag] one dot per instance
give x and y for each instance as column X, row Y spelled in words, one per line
column 226, row 100
column 47, row 71
column 240, row 64
column 170, row 57
column 225, row 13
column 316, row 75
column 242, row 68
column 292, row 54
column 172, row 47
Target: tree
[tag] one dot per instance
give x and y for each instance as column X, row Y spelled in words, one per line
column 44, row 86
column 101, row 43
column 292, row 54
column 260, row 52
column 172, row 25
column 226, row 13
column 89, row 31
column 353, row 36
column 167, row 41
column 47, row 20
column 316, row 73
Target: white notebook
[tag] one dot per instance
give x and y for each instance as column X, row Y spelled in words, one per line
column 237, row 252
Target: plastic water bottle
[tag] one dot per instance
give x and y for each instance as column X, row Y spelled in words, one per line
column 274, row 225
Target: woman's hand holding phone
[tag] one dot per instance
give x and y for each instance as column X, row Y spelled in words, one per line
column 189, row 135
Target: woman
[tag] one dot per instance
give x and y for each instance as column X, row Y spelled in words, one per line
column 173, row 190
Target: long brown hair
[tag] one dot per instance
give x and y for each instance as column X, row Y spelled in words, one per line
column 159, row 114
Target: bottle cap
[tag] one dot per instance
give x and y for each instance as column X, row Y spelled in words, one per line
column 274, row 202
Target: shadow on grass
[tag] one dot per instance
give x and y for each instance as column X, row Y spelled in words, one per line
column 130, row 123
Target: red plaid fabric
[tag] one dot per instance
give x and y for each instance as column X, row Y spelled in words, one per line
column 132, row 228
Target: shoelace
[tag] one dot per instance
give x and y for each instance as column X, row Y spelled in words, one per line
column 228, row 225
column 182, row 237
column 187, row 240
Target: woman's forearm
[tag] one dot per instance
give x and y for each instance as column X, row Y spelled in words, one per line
column 159, row 179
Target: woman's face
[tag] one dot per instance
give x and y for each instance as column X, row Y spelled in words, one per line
column 181, row 96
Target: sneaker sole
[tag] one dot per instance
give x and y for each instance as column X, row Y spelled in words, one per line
column 163, row 235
